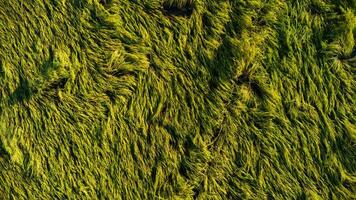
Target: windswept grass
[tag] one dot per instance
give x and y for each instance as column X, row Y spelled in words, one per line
column 177, row 99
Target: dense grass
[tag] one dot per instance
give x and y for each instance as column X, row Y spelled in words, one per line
column 177, row 99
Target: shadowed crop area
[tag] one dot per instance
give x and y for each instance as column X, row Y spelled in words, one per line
column 178, row 99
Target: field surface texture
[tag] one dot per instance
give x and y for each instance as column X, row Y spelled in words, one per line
column 178, row 99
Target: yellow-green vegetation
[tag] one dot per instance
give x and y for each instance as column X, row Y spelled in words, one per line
column 177, row 99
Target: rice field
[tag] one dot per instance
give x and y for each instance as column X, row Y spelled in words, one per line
column 178, row 99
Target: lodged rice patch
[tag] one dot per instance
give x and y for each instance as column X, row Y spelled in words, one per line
column 177, row 99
